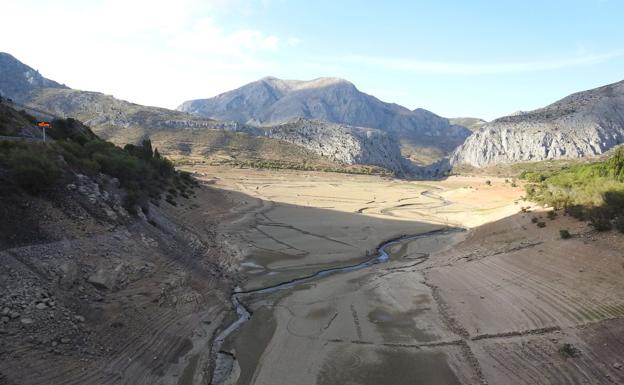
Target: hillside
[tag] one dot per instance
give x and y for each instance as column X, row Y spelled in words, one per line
column 343, row 143
column 98, row 245
column 473, row 124
column 583, row 124
column 181, row 134
column 272, row 101
column 592, row 191
column 19, row 81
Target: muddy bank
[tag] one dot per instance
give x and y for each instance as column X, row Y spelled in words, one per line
column 265, row 327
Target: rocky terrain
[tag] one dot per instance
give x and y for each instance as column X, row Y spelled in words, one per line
column 181, row 133
column 94, row 290
column 18, row 81
column 583, row 124
column 271, row 101
column 343, row 143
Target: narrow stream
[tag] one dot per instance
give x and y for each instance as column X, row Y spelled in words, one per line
column 224, row 359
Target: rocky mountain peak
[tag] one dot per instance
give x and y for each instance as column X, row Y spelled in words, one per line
column 17, row 80
column 583, row 124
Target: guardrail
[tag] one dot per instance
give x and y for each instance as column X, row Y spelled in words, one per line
column 22, row 139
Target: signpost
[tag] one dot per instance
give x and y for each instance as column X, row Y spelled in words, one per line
column 44, row 125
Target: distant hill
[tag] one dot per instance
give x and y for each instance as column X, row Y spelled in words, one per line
column 473, row 124
column 583, row 124
column 273, row 101
column 179, row 133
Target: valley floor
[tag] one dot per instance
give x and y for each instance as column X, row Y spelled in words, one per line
column 505, row 302
column 499, row 301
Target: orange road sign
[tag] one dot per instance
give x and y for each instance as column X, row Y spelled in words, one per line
column 44, row 124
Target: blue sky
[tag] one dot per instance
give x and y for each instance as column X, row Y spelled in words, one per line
column 455, row 58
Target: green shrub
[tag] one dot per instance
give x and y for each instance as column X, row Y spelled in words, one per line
column 541, row 224
column 32, row 170
column 568, row 351
column 576, row 211
column 600, row 219
column 551, row 215
column 565, row 234
column 535, row 219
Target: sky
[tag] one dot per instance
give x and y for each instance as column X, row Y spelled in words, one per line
column 455, row 58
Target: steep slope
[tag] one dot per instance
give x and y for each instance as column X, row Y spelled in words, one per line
column 108, row 114
column 18, row 81
column 342, row 143
column 583, row 124
column 271, row 101
column 182, row 134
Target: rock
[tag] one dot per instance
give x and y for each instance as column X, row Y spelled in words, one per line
column 6, row 311
column 26, row 321
column 65, row 340
column 343, row 143
column 70, row 275
column 41, row 306
column 272, row 102
column 584, row 124
column 617, row 366
column 13, row 314
column 79, row 318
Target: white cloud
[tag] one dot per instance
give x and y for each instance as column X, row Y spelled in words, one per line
column 157, row 52
column 456, row 68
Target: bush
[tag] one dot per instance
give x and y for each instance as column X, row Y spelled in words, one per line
column 32, row 170
column 551, row 215
column 541, row 224
column 568, row 351
column 565, row 234
column 534, row 219
column 576, row 211
column 600, row 219
column 488, row 182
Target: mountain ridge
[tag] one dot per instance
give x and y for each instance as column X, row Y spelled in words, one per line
column 273, row 101
column 585, row 123
column 125, row 122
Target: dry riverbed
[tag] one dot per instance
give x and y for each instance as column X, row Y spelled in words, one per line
column 504, row 302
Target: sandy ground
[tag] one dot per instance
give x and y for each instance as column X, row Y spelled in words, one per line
column 295, row 222
column 494, row 304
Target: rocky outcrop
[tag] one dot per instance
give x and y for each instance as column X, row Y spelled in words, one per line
column 271, row 101
column 583, row 124
column 343, row 143
column 18, row 81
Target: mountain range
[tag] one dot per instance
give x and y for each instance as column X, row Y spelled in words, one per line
column 272, row 101
column 328, row 117
column 331, row 121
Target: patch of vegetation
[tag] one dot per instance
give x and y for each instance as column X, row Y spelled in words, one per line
column 281, row 165
column 569, row 351
column 565, row 234
column 30, row 165
column 551, row 215
column 541, row 224
column 593, row 191
column 142, row 172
